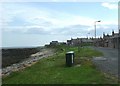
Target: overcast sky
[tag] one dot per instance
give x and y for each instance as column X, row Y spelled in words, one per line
column 38, row 23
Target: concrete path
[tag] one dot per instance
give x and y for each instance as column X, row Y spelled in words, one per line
column 109, row 62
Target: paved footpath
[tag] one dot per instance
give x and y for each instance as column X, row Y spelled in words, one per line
column 109, row 62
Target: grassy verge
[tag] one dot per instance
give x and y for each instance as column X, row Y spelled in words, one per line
column 52, row 70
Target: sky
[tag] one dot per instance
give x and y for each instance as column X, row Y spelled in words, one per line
column 27, row 24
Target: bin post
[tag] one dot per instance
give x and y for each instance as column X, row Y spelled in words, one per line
column 70, row 58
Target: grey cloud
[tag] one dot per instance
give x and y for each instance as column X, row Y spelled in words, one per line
column 69, row 30
column 39, row 31
column 73, row 30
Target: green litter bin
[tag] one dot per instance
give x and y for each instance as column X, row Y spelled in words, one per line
column 70, row 58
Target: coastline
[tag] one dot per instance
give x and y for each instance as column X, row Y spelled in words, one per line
column 15, row 55
column 43, row 53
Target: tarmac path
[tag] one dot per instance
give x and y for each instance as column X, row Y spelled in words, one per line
column 109, row 62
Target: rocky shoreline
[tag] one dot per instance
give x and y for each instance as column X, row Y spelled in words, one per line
column 27, row 62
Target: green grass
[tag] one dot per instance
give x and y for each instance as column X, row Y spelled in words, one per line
column 87, row 52
column 52, row 70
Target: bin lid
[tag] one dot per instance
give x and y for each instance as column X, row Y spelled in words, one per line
column 70, row 52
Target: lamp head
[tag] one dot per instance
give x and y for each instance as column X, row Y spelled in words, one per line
column 99, row 21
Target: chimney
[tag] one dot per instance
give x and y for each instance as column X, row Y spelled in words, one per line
column 113, row 33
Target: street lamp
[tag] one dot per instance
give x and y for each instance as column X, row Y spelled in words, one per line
column 95, row 29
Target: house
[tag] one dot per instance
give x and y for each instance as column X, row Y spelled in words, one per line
column 54, row 43
column 78, row 41
column 100, row 42
column 86, row 40
column 68, row 42
column 74, row 42
column 111, row 41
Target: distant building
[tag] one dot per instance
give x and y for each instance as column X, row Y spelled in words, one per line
column 100, row 42
column 57, row 43
column 79, row 41
column 74, row 42
column 62, row 43
column 86, row 40
column 54, row 43
column 68, row 42
column 111, row 41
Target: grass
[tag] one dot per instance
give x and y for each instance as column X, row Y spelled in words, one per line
column 88, row 52
column 52, row 70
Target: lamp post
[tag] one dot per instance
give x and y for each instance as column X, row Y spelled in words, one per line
column 95, row 29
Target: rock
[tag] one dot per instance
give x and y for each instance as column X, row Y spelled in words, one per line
column 28, row 62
